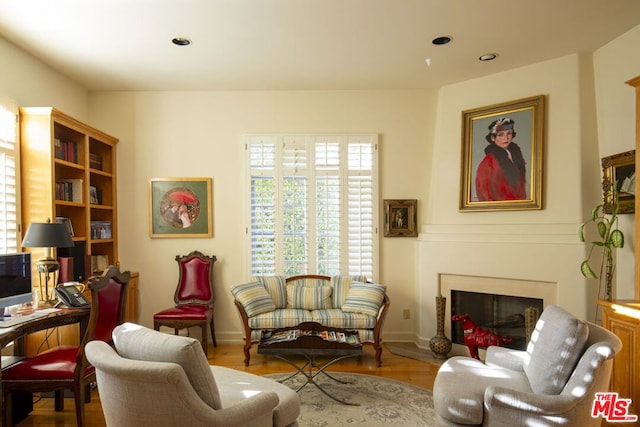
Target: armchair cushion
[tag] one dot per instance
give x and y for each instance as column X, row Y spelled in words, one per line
column 254, row 298
column 140, row 343
column 364, row 298
column 554, row 349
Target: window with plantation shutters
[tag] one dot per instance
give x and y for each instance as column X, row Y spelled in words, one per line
column 312, row 206
column 9, row 178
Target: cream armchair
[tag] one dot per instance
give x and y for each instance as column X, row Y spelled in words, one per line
column 153, row 378
column 552, row 383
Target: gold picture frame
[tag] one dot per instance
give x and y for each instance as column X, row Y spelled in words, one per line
column 181, row 207
column 494, row 179
column 621, row 170
column 400, row 218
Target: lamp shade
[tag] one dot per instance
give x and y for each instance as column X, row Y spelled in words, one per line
column 47, row 235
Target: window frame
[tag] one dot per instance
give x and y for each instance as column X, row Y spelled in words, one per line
column 310, row 174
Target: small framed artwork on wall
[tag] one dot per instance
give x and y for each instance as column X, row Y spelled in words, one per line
column 400, row 218
column 181, row 207
column 619, row 170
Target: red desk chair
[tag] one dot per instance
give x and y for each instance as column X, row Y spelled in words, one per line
column 193, row 297
column 65, row 366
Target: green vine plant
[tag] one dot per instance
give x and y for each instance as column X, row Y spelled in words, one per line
column 609, row 238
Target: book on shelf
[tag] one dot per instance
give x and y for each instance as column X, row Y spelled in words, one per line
column 95, row 195
column 66, row 150
column 69, row 190
column 99, row 263
column 95, row 161
column 100, row 229
column 65, row 273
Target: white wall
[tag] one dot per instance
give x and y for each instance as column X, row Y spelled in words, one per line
column 199, row 134
column 614, row 64
column 533, row 245
column 29, row 82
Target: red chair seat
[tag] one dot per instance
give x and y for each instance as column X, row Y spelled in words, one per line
column 55, row 364
column 184, row 312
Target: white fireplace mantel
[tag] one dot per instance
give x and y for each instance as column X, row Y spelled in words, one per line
column 546, row 253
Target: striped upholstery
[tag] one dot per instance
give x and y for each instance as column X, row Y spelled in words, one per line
column 308, row 297
column 337, row 318
column 341, row 285
column 253, row 297
column 365, row 298
column 277, row 288
column 319, row 299
column 279, row 318
column 309, row 282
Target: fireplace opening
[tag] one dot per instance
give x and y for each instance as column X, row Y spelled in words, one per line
column 509, row 316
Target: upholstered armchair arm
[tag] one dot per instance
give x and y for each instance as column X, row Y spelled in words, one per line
column 504, row 403
column 256, row 410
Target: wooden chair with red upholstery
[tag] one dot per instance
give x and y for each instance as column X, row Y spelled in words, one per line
column 65, row 366
column 194, row 298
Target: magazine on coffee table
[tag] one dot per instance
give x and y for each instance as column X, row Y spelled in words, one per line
column 271, row 337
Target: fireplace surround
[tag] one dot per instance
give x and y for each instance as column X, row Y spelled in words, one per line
column 527, row 292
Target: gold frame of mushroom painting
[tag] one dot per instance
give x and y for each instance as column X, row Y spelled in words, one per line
column 502, row 156
column 181, row 207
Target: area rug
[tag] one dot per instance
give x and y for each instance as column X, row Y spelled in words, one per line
column 383, row 402
column 409, row 349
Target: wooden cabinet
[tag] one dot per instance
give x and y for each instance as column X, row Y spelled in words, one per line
column 623, row 319
column 68, row 169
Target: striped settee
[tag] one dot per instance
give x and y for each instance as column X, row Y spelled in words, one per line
column 348, row 302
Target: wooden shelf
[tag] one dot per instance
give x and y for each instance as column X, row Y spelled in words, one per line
column 55, row 149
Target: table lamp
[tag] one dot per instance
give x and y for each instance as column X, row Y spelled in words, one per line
column 47, row 235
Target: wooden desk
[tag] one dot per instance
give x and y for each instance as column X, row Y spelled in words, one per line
column 56, row 319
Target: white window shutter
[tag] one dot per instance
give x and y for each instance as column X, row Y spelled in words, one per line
column 313, row 206
column 9, row 178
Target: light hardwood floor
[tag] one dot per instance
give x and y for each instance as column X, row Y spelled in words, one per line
column 400, row 368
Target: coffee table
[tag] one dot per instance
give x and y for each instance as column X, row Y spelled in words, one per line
column 312, row 341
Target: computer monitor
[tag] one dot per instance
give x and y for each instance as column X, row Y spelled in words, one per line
column 15, row 279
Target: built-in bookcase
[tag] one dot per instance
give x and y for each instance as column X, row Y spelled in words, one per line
column 68, row 170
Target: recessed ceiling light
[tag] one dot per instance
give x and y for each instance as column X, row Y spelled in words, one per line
column 181, row 41
column 439, row 41
column 488, row 57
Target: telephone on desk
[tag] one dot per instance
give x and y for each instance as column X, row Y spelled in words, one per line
column 71, row 295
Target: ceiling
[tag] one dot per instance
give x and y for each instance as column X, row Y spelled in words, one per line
column 110, row 45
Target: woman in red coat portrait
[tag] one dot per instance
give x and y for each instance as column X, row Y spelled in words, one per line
column 501, row 175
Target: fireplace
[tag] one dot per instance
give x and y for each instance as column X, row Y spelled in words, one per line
column 499, row 304
column 509, row 316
